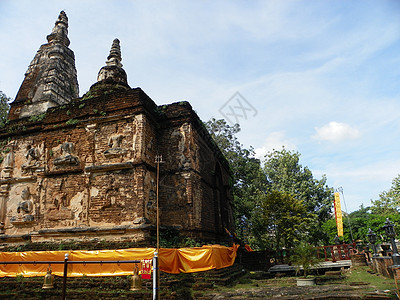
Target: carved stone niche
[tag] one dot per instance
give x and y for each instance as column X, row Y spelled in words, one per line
column 4, row 188
column 151, row 208
column 67, row 157
column 32, row 163
column 59, row 208
column 115, row 150
column 24, row 214
column 8, row 162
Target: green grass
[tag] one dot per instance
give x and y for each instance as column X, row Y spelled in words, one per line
column 360, row 278
column 246, row 282
column 374, row 281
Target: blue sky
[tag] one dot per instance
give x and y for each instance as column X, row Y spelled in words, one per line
column 319, row 77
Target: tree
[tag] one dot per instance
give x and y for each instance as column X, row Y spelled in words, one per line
column 4, row 108
column 249, row 180
column 280, row 221
column 284, row 173
column 260, row 193
column 389, row 201
column 361, row 220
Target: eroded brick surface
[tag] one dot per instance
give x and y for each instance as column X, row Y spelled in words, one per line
column 101, row 171
column 85, row 168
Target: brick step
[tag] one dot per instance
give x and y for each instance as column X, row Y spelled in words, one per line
column 227, row 272
column 228, row 280
column 203, row 285
column 223, row 279
column 234, row 275
column 94, row 282
column 31, row 292
column 102, row 283
column 114, row 287
column 220, row 272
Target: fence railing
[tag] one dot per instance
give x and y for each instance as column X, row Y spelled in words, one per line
column 67, row 262
column 336, row 252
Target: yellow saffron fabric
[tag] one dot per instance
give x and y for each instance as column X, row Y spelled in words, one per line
column 188, row 260
column 174, row 261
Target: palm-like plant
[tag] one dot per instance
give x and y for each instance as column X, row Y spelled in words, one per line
column 304, row 257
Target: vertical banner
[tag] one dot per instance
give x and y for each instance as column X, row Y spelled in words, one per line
column 338, row 214
column 146, row 268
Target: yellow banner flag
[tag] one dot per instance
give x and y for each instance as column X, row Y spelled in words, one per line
column 338, row 215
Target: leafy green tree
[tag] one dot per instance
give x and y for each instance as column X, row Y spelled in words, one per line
column 361, row 220
column 330, row 230
column 4, row 108
column 376, row 223
column 249, row 180
column 284, row 173
column 389, row 201
column 280, row 221
column 257, row 189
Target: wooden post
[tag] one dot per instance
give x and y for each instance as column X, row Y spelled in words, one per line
column 326, row 255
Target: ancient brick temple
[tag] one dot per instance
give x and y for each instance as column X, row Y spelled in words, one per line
column 85, row 168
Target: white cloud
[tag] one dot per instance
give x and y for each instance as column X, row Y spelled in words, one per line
column 360, row 182
column 274, row 141
column 336, row 132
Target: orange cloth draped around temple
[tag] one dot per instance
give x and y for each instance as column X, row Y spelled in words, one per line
column 184, row 260
column 188, row 260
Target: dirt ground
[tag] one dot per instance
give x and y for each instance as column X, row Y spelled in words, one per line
column 270, row 289
column 317, row 292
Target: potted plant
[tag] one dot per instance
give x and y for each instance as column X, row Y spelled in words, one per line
column 304, row 258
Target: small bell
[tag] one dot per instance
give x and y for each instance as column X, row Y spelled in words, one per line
column 136, row 280
column 48, row 280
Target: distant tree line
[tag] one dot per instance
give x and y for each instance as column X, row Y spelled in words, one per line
column 278, row 202
column 374, row 217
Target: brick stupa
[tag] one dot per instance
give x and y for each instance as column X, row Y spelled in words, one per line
column 83, row 169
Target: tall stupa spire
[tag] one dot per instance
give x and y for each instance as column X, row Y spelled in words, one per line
column 114, row 59
column 51, row 78
column 111, row 77
column 113, row 71
column 59, row 33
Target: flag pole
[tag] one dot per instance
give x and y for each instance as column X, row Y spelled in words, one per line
column 340, row 189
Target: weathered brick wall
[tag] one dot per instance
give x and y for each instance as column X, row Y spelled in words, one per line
column 63, row 201
column 113, row 198
column 203, row 200
column 87, row 169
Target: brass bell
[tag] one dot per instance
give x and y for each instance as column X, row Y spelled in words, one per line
column 48, row 280
column 136, row 280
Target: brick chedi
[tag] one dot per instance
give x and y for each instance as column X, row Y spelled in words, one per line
column 51, row 76
column 84, row 168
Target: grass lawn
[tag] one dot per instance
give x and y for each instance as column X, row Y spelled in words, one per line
column 355, row 282
column 374, row 281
